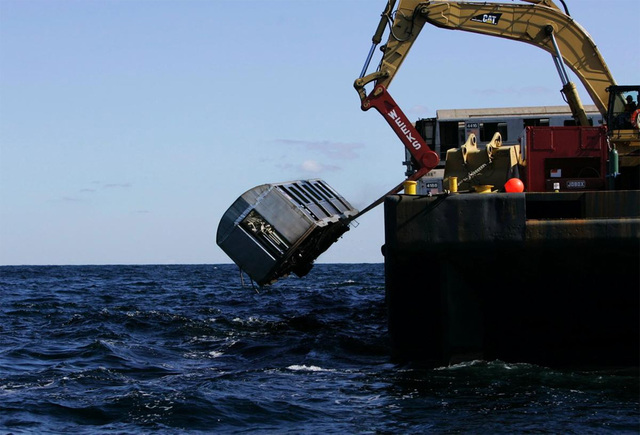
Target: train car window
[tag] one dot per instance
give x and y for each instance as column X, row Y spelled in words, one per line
column 536, row 122
column 488, row 129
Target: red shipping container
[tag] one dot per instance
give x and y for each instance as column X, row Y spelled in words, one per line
column 564, row 158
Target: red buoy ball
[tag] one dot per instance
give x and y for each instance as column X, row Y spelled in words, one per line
column 514, row 185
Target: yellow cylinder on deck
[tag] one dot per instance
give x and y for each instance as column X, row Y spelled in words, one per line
column 410, row 187
column 453, row 184
column 483, row 188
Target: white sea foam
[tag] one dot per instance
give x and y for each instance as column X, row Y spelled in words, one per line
column 306, row 368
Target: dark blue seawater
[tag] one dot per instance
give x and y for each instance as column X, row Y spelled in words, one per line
column 188, row 349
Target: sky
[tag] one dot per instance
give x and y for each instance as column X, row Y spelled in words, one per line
column 128, row 127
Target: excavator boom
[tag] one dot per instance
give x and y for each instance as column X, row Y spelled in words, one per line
column 540, row 23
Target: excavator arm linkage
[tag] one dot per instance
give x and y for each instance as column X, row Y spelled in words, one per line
column 381, row 100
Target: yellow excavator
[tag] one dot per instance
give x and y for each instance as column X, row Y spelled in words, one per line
column 541, row 23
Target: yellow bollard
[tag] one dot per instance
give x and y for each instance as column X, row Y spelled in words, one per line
column 453, row 184
column 410, row 187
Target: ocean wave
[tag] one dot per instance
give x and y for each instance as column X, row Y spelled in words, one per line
column 306, row 368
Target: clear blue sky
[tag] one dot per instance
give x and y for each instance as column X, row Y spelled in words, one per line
column 128, row 127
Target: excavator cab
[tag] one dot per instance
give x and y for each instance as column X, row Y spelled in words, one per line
column 623, row 107
column 623, row 124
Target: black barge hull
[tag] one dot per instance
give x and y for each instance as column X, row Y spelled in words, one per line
column 544, row 278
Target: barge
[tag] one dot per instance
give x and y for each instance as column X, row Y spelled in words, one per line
column 532, row 252
column 545, row 278
column 548, row 276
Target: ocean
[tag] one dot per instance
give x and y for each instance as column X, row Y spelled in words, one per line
column 196, row 349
